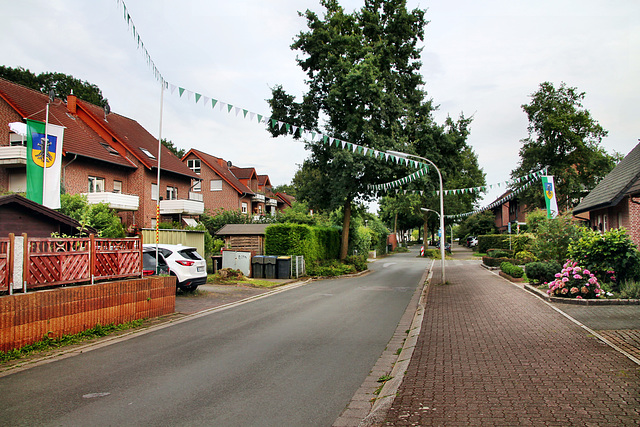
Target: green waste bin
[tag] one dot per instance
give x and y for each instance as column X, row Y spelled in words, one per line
column 284, row 267
column 270, row 267
column 257, row 264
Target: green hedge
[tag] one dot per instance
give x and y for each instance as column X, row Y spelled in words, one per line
column 512, row 270
column 496, row 262
column 492, row 241
column 540, row 272
column 314, row 243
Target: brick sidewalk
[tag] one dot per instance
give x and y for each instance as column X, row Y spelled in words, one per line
column 490, row 353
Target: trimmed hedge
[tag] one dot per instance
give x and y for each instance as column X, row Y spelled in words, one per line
column 541, row 272
column 493, row 241
column 512, row 270
column 314, row 243
column 495, row 262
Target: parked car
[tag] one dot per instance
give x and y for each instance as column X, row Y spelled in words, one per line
column 447, row 246
column 185, row 263
column 473, row 243
column 149, row 262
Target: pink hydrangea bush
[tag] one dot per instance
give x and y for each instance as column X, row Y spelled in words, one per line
column 575, row 282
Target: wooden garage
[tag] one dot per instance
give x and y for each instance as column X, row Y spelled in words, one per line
column 244, row 237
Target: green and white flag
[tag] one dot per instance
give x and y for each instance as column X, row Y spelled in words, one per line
column 43, row 183
column 550, row 196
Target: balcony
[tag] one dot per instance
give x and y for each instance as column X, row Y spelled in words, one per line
column 272, row 202
column 181, row 206
column 195, row 196
column 117, row 201
column 15, row 155
column 258, row 198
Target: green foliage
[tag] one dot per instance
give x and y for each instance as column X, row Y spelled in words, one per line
column 574, row 281
column 481, row 223
column 298, row 213
column 329, row 268
column 522, row 242
column 361, row 240
column 210, row 245
column 432, row 253
column 497, row 253
column 630, row 289
column 564, row 138
column 314, row 243
column 98, row 216
column 525, row 256
column 358, row 261
column 542, row 272
column 62, row 84
column 48, row 343
column 553, row 237
column 611, row 256
column 512, row 270
column 214, row 221
column 492, row 241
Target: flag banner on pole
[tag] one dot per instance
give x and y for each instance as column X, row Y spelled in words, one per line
column 40, row 171
column 550, row 196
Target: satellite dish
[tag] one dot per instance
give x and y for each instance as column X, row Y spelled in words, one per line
column 52, row 96
column 229, row 163
column 107, row 109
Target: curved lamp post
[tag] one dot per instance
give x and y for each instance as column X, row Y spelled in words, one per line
column 406, row 156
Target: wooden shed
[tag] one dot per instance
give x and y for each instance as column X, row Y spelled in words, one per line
column 244, row 237
column 20, row 215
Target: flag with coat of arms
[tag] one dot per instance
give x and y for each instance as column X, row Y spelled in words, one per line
column 44, row 163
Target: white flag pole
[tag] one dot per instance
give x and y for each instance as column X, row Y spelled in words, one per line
column 158, row 179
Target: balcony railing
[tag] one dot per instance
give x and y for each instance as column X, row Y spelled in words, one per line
column 181, row 206
column 259, row 198
column 13, row 155
column 117, row 201
column 271, row 202
column 195, row 196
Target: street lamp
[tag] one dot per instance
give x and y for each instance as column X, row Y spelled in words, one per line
column 405, row 156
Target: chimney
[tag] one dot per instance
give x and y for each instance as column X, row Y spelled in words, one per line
column 221, row 162
column 71, row 103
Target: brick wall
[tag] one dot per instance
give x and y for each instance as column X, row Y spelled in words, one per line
column 634, row 220
column 27, row 318
column 228, row 198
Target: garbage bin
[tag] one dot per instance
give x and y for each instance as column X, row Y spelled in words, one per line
column 270, row 267
column 257, row 263
column 216, row 262
column 284, row 267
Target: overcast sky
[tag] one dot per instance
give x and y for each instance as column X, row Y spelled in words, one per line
column 480, row 58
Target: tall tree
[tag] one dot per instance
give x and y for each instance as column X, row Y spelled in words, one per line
column 565, row 139
column 62, row 84
column 364, row 82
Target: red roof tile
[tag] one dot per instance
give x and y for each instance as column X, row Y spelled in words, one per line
column 79, row 138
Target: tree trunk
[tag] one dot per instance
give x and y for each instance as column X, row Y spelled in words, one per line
column 425, row 231
column 346, row 222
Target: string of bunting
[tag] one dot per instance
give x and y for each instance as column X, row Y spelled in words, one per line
column 511, row 195
column 212, row 103
column 136, row 36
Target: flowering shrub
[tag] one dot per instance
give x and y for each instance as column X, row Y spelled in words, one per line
column 575, row 282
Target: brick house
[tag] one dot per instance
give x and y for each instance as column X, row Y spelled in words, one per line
column 615, row 201
column 108, row 157
column 284, row 201
column 509, row 211
column 226, row 187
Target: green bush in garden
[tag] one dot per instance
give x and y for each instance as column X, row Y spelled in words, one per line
column 553, row 237
column 512, row 270
column 542, row 272
column 611, row 256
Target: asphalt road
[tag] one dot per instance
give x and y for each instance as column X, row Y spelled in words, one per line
column 292, row 359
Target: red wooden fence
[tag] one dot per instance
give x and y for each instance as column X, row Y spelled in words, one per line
column 58, row 261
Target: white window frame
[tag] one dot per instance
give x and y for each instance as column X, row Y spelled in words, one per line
column 117, row 187
column 194, row 165
column 95, row 184
column 245, row 207
column 16, row 140
column 172, row 193
column 215, row 185
column 197, row 185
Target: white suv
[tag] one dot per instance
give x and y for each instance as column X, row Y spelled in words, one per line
column 185, row 263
